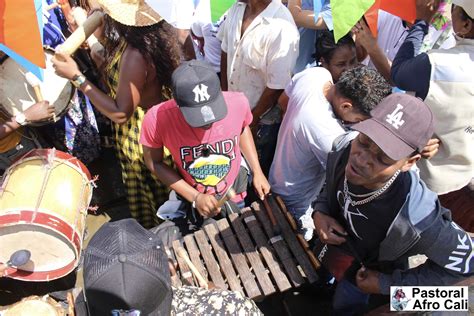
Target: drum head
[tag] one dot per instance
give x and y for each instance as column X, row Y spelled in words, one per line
column 50, row 251
column 16, row 95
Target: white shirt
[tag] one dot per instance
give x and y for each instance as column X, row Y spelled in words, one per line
column 307, row 132
column 203, row 27
column 264, row 56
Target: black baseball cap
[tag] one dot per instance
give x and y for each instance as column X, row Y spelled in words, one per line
column 126, row 267
column 400, row 125
column 197, row 91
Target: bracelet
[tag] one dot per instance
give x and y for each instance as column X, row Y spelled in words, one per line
column 194, row 200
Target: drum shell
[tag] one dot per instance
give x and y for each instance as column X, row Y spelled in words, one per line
column 43, row 205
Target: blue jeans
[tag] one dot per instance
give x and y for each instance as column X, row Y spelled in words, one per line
column 349, row 299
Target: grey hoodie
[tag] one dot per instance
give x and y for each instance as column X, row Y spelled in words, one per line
column 422, row 226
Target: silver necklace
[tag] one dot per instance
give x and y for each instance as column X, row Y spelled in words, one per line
column 370, row 196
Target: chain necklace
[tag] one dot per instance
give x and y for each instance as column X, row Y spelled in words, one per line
column 370, row 196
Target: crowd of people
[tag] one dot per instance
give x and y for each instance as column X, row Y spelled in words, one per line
column 368, row 140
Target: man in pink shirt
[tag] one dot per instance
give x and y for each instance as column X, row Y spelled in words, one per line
column 205, row 131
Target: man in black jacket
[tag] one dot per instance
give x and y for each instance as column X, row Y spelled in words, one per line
column 378, row 210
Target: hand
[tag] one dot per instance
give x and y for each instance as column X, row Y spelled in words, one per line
column 368, row 280
column 206, row 205
column 430, row 149
column 39, row 112
column 363, row 35
column 326, row 226
column 426, row 9
column 261, row 185
column 65, row 66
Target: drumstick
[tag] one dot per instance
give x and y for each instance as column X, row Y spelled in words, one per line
column 78, row 37
column 183, row 254
column 275, row 226
column 230, row 194
column 34, row 82
column 80, row 16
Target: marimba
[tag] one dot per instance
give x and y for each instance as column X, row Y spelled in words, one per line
column 242, row 253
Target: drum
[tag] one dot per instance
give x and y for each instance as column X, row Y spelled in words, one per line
column 16, row 95
column 243, row 253
column 44, row 200
column 35, row 305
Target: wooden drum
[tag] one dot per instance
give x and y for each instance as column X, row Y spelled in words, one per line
column 44, row 200
column 242, row 253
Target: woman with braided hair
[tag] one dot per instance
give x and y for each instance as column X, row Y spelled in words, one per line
column 141, row 52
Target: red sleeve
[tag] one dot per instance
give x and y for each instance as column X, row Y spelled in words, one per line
column 149, row 135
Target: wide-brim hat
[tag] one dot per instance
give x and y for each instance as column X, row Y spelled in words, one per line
column 130, row 12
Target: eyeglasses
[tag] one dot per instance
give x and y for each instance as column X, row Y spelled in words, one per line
column 121, row 312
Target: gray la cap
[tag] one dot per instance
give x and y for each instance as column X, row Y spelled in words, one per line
column 400, row 124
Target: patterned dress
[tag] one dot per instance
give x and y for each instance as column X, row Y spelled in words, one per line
column 144, row 192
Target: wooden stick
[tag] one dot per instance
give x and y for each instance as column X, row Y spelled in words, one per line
column 34, row 82
column 78, row 37
column 70, row 303
column 314, row 261
column 183, row 254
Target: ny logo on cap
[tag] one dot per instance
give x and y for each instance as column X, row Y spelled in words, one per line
column 395, row 118
column 200, row 93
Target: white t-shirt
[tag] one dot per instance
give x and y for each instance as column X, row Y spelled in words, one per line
column 203, row 27
column 307, row 132
column 265, row 55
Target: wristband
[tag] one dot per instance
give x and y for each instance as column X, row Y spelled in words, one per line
column 194, row 200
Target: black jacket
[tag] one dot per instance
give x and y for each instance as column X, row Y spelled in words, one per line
column 422, row 226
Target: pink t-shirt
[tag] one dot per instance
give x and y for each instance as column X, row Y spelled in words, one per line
column 164, row 125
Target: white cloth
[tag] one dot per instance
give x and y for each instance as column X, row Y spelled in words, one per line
column 307, row 132
column 265, row 55
column 451, row 99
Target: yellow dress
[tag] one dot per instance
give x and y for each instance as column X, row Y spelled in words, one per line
column 144, row 192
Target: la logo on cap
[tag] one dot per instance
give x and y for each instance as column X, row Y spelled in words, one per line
column 200, row 93
column 395, row 118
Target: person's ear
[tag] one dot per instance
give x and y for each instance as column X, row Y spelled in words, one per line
column 323, row 62
column 346, row 105
column 410, row 162
column 466, row 29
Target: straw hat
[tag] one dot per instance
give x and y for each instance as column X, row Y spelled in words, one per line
column 130, row 12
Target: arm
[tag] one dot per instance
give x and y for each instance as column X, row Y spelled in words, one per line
column 268, row 99
column 283, row 102
column 450, row 258
column 37, row 112
column 132, row 79
column 406, row 63
column 365, row 39
column 305, row 18
column 206, row 204
column 188, row 48
column 247, row 146
column 224, row 86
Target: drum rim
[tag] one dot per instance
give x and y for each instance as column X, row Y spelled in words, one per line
column 44, row 152
column 50, row 222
